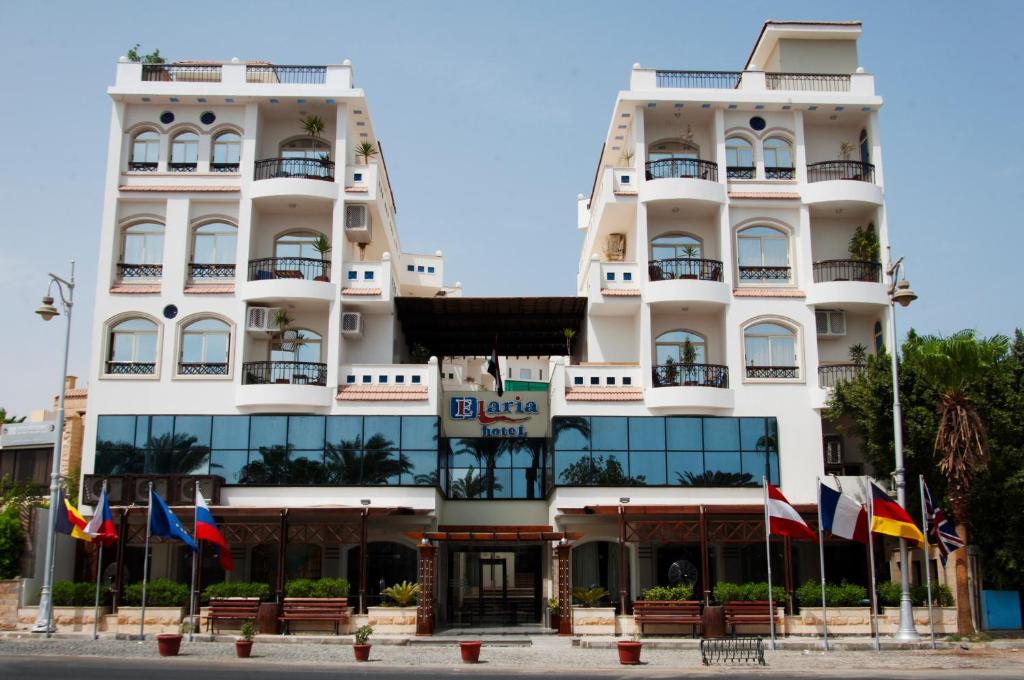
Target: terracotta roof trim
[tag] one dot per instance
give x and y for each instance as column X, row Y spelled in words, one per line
column 382, row 393
column 768, row 292
column 621, row 292
column 361, row 291
column 212, row 188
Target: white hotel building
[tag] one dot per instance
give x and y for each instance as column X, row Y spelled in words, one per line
column 336, row 406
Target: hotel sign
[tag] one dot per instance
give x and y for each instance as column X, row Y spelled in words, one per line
column 485, row 414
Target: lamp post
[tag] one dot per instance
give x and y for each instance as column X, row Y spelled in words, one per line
column 901, row 294
column 44, row 618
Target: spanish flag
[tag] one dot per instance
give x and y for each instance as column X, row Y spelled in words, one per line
column 887, row 517
column 70, row 521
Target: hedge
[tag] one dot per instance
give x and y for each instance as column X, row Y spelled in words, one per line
column 12, row 542
column 82, row 594
column 236, row 589
column 680, row 591
column 160, row 592
column 836, row 595
column 324, row 587
column 889, row 593
column 747, row 592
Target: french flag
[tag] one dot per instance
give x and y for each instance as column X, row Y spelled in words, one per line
column 784, row 520
column 206, row 530
column 842, row 516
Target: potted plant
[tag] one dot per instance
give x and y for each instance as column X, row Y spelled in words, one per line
column 323, row 246
column 313, row 126
column 629, row 650
column 858, row 354
column 402, row 594
column 366, row 150
column 691, row 266
column 470, row 651
column 243, row 645
column 361, row 647
column 689, row 357
column 553, row 613
column 845, row 150
column 669, row 374
column 864, row 249
column 569, row 334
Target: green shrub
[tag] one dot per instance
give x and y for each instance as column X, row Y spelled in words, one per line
column 363, row 634
column 248, row 631
column 70, row 594
column 589, row 597
column 160, row 592
column 12, row 542
column 942, row 596
column 889, row 593
column 680, row 591
column 402, row 594
column 236, row 589
column 727, row 592
column 842, row 595
column 747, row 592
column 324, row 587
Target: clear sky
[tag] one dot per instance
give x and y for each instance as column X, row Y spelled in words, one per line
column 492, row 115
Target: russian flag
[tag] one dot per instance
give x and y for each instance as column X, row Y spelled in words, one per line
column 784, row 520
column 842, row 516
column 206, row 530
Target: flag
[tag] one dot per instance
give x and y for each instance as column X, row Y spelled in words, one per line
column 206, row 530
column 784, row 520
column 887, row 517
column 101, row 526
column 162, row 522
column 842, row 516
column 940, row 530
column 495, row 369
column 69, row 520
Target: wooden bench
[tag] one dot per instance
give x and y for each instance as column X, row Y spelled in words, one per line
column 748, row 613
column 331, row 609
column 231, row 608
column 685, row 612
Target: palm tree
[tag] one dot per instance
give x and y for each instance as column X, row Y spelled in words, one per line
column 471, row 486
column 955, row 366
column 272, row 468
column 177, row 453
column 486, row 453
column 4, row 418
column 375, row 463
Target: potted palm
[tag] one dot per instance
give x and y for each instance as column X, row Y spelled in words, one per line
column 361, row 647
column 323, row 246
column 243, row 645
column 366, row 150
column 553, row 613
column 569, row 334
column 689, row 356
column 313, row 126
column 690, row 266
column 858, row 354
column 864, row 249
column 669, row 375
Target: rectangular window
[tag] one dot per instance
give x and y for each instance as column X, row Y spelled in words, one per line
column 525, row 374
column 399, row 379
column 430, row 270
column 419, row 269
column 410, row 268
column 610, row 276
column 350, row 379
column 415, row 379
column 626, row 380
column 353, row 275
column 577, row 380
column 609, row 380
column 382, row 379
column 627, row 276
column 368, row 275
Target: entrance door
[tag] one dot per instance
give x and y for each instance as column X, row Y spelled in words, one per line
column 494, row 586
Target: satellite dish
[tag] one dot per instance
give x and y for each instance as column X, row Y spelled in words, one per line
column 682, row 571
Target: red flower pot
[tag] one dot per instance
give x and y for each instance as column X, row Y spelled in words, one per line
column 629, row 653
column 243, row 648
column 470, row 651
column 168, row 644
column 362, row 652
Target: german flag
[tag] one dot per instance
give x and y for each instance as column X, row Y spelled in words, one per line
column 70, row 521
column 887, row 517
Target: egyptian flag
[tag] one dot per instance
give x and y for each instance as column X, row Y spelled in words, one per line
column 887, row 517
column 69, row 520
column 101, row 526
column 842, row 516
column 206, row 530
column 784, row 520
column 494, row 369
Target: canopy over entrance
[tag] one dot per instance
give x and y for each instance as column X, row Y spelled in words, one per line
column 461, row 326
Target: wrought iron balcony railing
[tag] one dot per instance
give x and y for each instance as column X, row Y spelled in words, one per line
column 701, row 375
column 182, row 167
column 684, row 268
column 740, row 171
column 764, row 273
column 826, row 171
column 130, row 368
column 202, row 368
column 306, row 268
column 139, row 271
column 306, row 168
column 284, row 373
column 712, row 80
column 847, row 270
column 223, row 167
column 211, row 271
column 815, row 82
column 140, row 166
column 779, row 172
column 831, row 375
column 190, row 73
column 773, row 372
column 682, row 167
column 272, row 74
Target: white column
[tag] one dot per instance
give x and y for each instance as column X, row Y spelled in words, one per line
column 875, row 140
column 800, row 152
column 176, row 247
column 246, row 168
column 334, row 357
column 719, row 142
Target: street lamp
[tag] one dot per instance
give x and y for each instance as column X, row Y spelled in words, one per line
column 900, row 294
column 44, row 618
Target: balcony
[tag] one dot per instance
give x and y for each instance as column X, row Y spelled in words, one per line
column 140, row 166
column 705, row 80
column 779, row 172
column 139, row 271
column 232, row 78
column 741, row 172
column 692, row 168
column 690, row 375
column 182, row 167
column 762, row 274
column 283, row 386
column 296, row 168
column 842, row 283
column 685, row 268
column 847, row 270
column 130, row 368
column 202, row 368
column 182, row 73
column 199, row 271
column 830, row 375
column 290, row 74
column 703, row 387
column 282, row 278
column 827, row 171
column 284, row 373
column 690, row 179
column 686, row 279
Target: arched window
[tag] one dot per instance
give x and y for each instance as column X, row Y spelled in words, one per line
column 671, row 347
column 672, row 148
column 763, row 254
column 675, row 158
column 296, row 244
column 739, row 158
column 305, row 147
column 145, row 152
column 673, row 246
column 214, row 250
column 295, row 358
column 132, row 348
column 778, row 159
column 769, row 351
column 205, row 348
column 226, row 152
column 184, row 152
column 142, row 251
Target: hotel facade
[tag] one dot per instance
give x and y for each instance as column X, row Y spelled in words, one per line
column 259, row 329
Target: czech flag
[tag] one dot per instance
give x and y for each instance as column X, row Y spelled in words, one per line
column 784, row 520
column 206, row 530
column 101, row 526
column 887, row 517
column 69, row 520
column 842, row 516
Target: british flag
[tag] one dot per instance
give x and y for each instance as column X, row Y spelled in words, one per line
column 940, row 530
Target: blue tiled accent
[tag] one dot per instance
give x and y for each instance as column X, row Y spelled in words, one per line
column 366, row 378
column 350, row 379
column 353, row 275
column 368, row 275
column 399, row 379
column 594, row 380
column 626, row 380
column 627, row 276
column 578, row 380
column 416, row 379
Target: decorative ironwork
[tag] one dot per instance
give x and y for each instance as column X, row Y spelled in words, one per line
column 182, row 167
column 779, row 172
column 663, row 531
column 139, row 271
column 831, row 375
column 204, row 270
column 324, row 534
column 815, row 82
column 130, row 368
column 735, row 530
column 826, row 171
column 248, row 533
column 740, row 171
column 137, row 166
column 563, row 554
column 305, row 168
column 764, row 273
column 773, row 372
column 308, row 268
column 712, row 80
column 223, row 167
column 693, row 168
column 685, row 268
column 284, row 373
column 732, row 650
column 847, row 270
column 272, row 73
column 703, row 375
column 190, row 73
column 202, row 368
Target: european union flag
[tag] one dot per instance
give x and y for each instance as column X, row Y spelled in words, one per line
column 163, row 523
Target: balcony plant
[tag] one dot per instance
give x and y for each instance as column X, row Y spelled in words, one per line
column 690, row 266
column 669, row 373
column 845, row 150
column 153, row 57
column 858, row 354
column 366, row 150
column 689, row 356
column 402, row 594
column 626, row 158
column 323, row 246
column 864, row 247
column 361, row 647
column 243, row 645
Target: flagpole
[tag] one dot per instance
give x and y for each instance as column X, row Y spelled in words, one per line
column 926, row 548
column 145, row 564
column 871, row 558
column 768, row 553
column 192, row 583
column 821, row 557
column 99, row 575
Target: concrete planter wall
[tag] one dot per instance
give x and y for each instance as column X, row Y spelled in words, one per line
column 593, row 620
column 67, row 619
column 945, row 620
column 9, row 594
column 857, row 621
column 158, row 619
column 392, row 620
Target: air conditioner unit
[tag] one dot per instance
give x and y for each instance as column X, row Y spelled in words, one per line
column 92, row 486
column 261, row 319
column 352, row 324
column 830, row 322
column 357, row 223
column 209, row 486
column 140, row 488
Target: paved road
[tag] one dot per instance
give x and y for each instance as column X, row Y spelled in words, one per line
column 80, row 668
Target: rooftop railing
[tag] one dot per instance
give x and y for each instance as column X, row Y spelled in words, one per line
column 813, row 82
column 715, row 80
column 183, row 73
column 272, row 73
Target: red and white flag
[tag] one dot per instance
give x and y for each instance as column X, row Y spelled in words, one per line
column 784, row 520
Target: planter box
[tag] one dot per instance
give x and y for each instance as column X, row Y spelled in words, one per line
column 841, row 621
column 392, row 620
column 158, row 619
column 593, row 620
column 9, row 592
column 945, row 620
column 66, row 619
